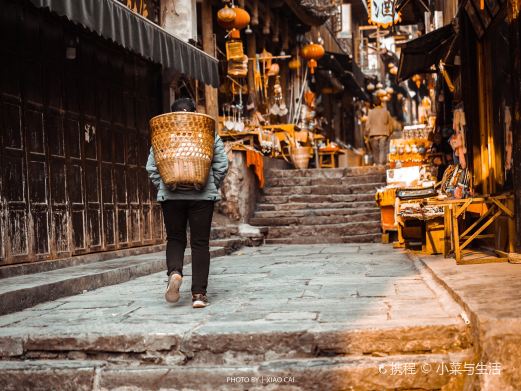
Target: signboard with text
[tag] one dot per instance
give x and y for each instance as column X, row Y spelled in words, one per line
column 381, row 13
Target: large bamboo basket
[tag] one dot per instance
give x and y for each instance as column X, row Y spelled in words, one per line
column 300, row 157
column 183, row 145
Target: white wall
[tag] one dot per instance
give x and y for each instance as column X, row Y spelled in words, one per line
column 179, row 18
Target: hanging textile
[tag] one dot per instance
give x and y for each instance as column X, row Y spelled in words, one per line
column 254, row 158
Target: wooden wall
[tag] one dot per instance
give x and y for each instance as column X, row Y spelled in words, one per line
column 74, row 140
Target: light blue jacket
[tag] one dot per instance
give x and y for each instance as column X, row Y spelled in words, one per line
column 210, row 192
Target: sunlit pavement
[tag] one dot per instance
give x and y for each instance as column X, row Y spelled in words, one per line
column 339, row 314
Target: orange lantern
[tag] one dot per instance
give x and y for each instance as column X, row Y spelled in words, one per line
column 226, row 17
column 242, row 18
column 312, row 52
column 294, row 63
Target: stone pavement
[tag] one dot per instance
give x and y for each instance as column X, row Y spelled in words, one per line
column 285, row 317
column 491, row 295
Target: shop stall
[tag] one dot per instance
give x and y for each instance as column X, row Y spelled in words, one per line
column 465, row 209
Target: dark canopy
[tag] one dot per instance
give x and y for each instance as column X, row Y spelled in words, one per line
column 419, row 54
column 115, row 21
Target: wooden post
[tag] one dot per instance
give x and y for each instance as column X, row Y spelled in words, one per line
column 252, row 50
column 210, row 93
column 455, row 233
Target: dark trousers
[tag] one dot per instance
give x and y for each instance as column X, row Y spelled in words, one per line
column 176, row 214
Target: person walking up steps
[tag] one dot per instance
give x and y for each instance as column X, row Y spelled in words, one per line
column 195, row 208
column 379, row 128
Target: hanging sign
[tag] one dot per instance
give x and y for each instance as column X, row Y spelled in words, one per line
column 381, row 13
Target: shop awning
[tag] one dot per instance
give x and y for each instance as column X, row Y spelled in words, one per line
column 134, row 32
column 418, row 55
column 346, row 71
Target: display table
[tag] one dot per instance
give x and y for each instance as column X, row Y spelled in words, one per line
column 248, row 137
column 490, row 208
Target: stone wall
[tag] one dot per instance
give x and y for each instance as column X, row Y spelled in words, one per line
column 239, row 190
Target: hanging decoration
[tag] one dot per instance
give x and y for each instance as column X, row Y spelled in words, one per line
column 242, row 18
column 514, row 8
column 294, row 64
column 233, row 18
column 226, row 17
column 312, row 52
column 381, row 13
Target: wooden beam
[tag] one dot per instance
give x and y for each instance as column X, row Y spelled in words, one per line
column 210, row 93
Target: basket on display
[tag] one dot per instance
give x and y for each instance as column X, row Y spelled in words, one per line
column 300, row 157
column 183, row 145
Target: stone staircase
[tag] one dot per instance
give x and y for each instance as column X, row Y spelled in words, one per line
column 321, row 206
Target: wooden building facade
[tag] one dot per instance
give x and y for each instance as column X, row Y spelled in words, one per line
column 74, row 139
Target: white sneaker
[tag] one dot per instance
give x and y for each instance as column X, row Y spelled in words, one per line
column 172, row 289
column 199, row 300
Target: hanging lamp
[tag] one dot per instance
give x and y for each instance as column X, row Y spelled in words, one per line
column 312, row 52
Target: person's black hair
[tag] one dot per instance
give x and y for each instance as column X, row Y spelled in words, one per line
column 183, row 104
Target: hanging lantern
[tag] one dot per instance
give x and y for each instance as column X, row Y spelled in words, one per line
column 294, row 63
column 312, row 52
column 242, row 18
column 226, row 17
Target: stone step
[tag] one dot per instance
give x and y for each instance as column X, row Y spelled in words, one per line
column 324, row 373
column 314, row 198
column 324, row 189
column 329, row 239
column 324, row 230
column 326, row 173
column 230, row 342
column 311, row 181
column 316, row 220
column 300, row 206
column 223, row 232
column 45, row 266
column 230, row 244
column 20, row 292
column 315, row 212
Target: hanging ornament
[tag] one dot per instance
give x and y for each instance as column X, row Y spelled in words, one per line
column 274, row 70
column 255, row 16
column 226, row 17
column 312, row 64
column 242, row 18
column 294, row 63
column 312, row 52
column 235, row 34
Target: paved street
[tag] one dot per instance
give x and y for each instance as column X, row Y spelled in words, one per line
column 267, row 303
column 320, row 284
